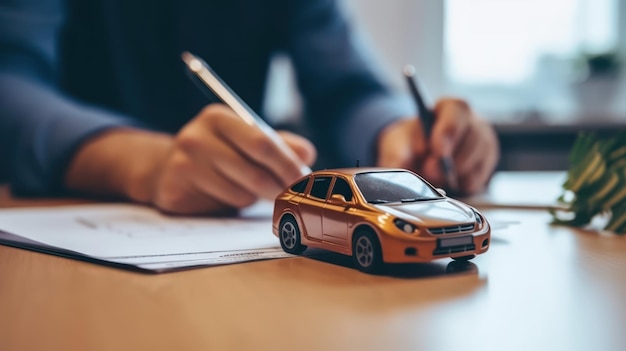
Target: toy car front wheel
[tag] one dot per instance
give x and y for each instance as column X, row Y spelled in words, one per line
column 289, row 236
column 366, row 252
column 464, row 258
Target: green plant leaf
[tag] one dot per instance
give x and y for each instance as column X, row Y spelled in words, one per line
column 597, row 179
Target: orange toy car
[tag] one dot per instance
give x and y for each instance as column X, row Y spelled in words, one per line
column 377, row 215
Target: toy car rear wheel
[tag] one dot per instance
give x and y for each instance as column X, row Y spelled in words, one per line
column 289, row 236
column 366, row 251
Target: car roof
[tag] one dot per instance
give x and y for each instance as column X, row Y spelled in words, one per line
column 356, row 170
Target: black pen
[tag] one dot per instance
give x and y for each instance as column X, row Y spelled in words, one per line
column 427, row 116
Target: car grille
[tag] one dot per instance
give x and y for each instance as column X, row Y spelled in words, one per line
column 454, row 249
column 453, row 229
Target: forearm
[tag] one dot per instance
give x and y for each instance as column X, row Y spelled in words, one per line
column 216, row 163
column 42, row 129
column 120, row 162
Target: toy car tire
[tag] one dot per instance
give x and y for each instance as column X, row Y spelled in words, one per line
column 289, row 236
column 366, row 251
column 464, row 258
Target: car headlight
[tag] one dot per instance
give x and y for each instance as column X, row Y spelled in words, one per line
column 404, row 226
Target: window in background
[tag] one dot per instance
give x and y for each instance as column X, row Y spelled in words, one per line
column 530, row 56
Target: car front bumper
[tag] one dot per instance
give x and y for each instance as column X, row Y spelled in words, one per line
column 424, row 249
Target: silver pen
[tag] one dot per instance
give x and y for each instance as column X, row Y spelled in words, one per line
column 212, row 81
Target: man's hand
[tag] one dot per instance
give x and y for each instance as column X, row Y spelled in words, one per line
column 216, row 163
column 457, row 133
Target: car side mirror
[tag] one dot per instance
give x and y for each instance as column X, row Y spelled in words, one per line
column 441, row 191
column 338, row 199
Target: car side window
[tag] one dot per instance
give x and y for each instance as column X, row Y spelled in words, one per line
column 320, row 187
column 342, row 187
column 300, row 186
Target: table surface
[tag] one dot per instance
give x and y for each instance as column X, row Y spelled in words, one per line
column 525, row 190
column 539, row 287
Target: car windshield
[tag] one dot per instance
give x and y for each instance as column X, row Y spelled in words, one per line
column 394, row 186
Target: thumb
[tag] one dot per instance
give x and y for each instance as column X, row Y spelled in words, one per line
column 304, row 149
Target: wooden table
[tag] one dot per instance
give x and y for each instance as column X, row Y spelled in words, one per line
column 538, row 288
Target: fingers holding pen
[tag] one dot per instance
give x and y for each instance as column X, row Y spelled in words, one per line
column 478, row 156
column 470, row 140
column 457, row 133
column 304, row 149
column 253, row 143
column 180, row 190
column 218, row 162
column 233, row 157
column 451, row 124
column 228, row 175
column 449, row 128
column 224, row 144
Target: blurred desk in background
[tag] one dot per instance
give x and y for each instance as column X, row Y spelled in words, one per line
column 543, row 146
column 538, row 288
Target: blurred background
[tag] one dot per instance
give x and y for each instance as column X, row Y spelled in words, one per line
column 540, row 71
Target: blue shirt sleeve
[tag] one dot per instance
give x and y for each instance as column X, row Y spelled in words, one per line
column 344, row 95
column 39, row 127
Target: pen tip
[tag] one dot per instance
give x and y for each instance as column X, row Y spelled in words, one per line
column 409, row 70
column 192, row 62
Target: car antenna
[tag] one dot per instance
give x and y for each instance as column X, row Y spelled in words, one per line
column 357, row 163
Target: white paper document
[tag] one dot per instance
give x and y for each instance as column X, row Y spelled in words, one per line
column 143, row 237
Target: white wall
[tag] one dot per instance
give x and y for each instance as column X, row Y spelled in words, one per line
column 405, row 32
column 400, row 32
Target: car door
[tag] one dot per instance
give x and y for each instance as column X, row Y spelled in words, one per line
column 336, row 217
column 312, row 206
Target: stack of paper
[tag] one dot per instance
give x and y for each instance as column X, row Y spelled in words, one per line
column 140, row 237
